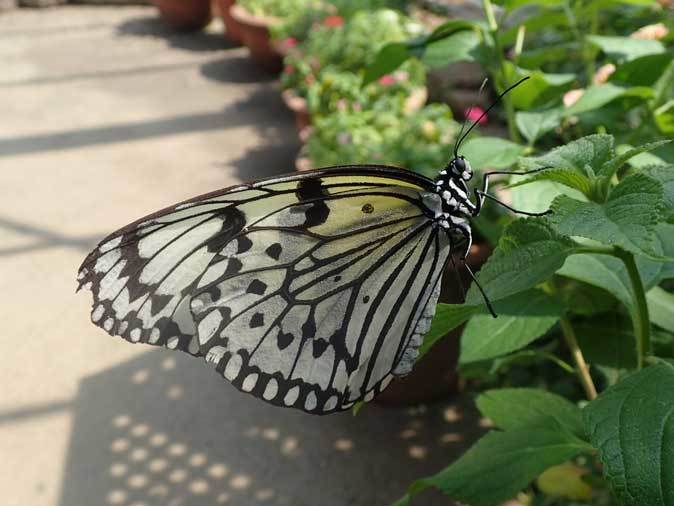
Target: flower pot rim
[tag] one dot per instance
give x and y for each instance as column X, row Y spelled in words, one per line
column 246, row 17
column 294, row 101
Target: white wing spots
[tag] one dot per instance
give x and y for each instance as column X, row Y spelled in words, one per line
column 134, row 335
column 165, row 260
column 305, row 263
column 271, row 389
column 369, row 396
column 155, row 334
column 172, row 342
column 111, row 244
column 108, row 323
column 249, row 327
column 341, row 377
column 185, row 272
column 106, row 261
column 183, row 317
column 209, row 326
column 311, row 401
column 193, row 347
column 122, row 306
column 215, row 354
column 111, row 284
column 233, row 367
column 82, row 274
column 330, row 404
column 122, row 327
column 291, row 396
column 250, row 382
column 97, row 313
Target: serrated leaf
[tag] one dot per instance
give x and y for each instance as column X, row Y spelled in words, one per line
column 591, row 151
column 627, row 219
column 567, row 177
column 534, row 124
column 607, row 342
column 609, row 168
column 626, row 47
column 510, row 459
column 491, row 152
column 519, row 408
column 486, row 337
column 537, row 196
column 665, row 175
column 661, row 308
column 528, row 253
column 632, row 426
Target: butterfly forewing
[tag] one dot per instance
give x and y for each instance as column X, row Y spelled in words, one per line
column 309, row 291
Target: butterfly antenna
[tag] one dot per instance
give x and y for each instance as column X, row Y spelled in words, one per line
column 479, row 287
column 470, row 109
column 484, row 113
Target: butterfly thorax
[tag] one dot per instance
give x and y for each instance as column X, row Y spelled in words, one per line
column 452, row 188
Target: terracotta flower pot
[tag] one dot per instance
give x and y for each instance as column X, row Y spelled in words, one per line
column 435, row 376
column 256, row 37
column 298, row 105
column 185, row 15
column 232, row 27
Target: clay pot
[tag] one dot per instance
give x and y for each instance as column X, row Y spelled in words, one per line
column 298, row 105
column 256, row 37
column 435, row 376
column 185, row 15
column 232, row 28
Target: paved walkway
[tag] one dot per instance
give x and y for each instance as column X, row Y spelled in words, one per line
column 104, row 117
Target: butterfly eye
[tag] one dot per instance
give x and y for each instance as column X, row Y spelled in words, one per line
column 459, row 165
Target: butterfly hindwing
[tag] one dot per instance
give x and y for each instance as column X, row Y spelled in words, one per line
column 308, row 291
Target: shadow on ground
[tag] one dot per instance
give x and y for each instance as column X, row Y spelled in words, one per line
column 152, row 26
column 165, row 430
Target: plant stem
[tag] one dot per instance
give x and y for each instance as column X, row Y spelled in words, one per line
column 582, row 368
column 639, row 310
column 588, row 62
column 501, row 75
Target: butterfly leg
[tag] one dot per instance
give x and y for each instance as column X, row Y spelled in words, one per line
column 482, row 193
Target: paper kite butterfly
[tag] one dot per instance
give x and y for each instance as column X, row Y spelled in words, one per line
column 310, row 291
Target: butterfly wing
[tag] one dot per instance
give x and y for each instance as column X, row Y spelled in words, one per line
column 308, row 291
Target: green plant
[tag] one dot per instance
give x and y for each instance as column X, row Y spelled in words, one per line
column 275, row 8
column 591, row 70
column 583, row 289
column 419, row 141
column 346, row 44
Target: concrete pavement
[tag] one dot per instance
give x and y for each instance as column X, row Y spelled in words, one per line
column 105, row 116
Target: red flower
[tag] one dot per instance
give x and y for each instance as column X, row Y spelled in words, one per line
column 474, row 113
column 290, row 42
column 387, row 80
column 333, row 21
column 288, row 69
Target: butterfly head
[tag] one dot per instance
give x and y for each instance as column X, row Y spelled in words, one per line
column 460, row 168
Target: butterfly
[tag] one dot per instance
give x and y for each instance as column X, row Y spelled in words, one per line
column 311, row 291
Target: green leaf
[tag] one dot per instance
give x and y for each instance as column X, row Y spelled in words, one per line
column 519, row 408
column 665, row 175
column 534, row 124
column 627, row 219
column 389, row 58
column 661, row 308
column 609, row 168
column 598, row 96
column 491, row 152
column 487, row 337
column 643, row 71
column 538, row 196
column 632, row 426
column 607, row 342
column 539, row 89
column 460, row 46
column 664, row 117
column 665, row 233
column 567, row 177
column 582, row 155
column 626, row 47
column 511, row 460
column 447, row 318
column 514, row 4
column 528, row 253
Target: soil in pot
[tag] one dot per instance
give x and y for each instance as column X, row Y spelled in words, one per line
column 232, row 28
column 185, row 15
column 435, row 375
column 256, row 37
